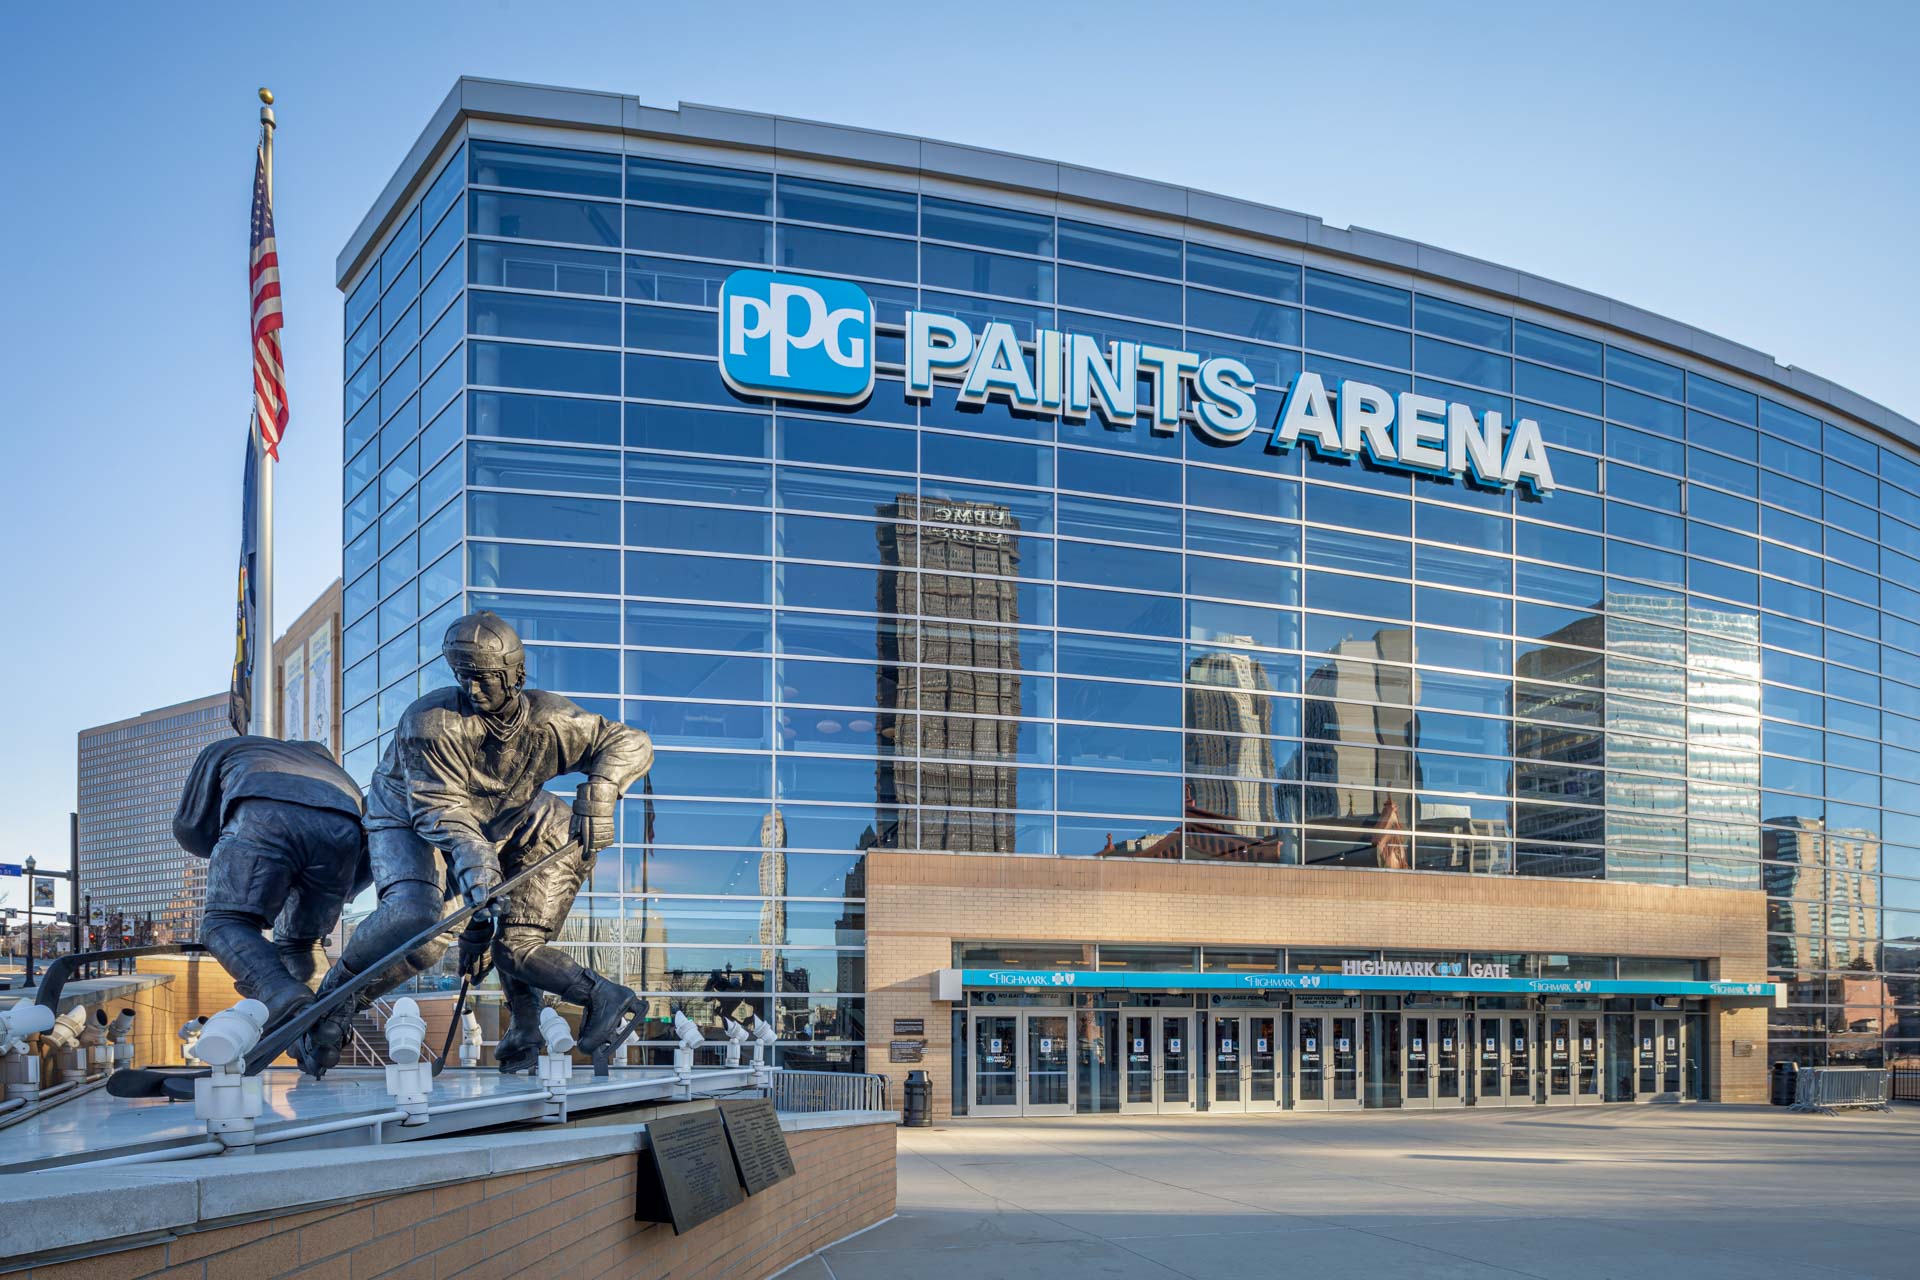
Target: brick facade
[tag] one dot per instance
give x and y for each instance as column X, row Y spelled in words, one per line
column 918, row 905
column 568, row 1222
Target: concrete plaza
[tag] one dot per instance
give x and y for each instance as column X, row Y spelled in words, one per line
column 1671, row 1192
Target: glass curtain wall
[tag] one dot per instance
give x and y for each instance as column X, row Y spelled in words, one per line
column 946, row 628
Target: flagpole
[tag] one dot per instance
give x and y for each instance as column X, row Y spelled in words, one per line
column 264, row 669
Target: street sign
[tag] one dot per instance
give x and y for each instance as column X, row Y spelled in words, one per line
column 12, row 869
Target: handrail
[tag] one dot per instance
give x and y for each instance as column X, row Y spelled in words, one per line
column 189, row 1152
column 318, row 1127
column 827, row 1091
column 53, row 979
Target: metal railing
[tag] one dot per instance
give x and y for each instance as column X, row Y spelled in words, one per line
column 1906, row 1084
column 827, row 1091
column 54, row 977
column 1829, row 1089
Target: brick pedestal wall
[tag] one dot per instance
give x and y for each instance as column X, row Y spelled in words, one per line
column 918, row 905
column 572, row 1221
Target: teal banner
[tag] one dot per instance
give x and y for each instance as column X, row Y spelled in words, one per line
column 1073, row 979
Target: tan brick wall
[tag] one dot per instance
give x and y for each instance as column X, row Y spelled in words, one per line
column 154, row 1024
column 200, row 988
column 573, row 1222
column 919, row 904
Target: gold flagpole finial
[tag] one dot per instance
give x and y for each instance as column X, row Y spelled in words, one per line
column 266, row 95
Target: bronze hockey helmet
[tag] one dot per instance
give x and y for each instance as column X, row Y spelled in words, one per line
column 484, row 642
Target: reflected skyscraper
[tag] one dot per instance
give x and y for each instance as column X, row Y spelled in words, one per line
column 1232, row 792
column 1356, row 762
column 961, row 629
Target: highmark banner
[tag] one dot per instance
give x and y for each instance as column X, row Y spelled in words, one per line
column 811, row 338
column 1055, row 979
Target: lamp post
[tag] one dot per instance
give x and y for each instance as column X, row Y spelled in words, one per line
column 29, row 867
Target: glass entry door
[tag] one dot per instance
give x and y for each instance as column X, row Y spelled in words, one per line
column 1504, row 1052
column 1326, row 1061
column 1047, row 1081
column 1244, row 1063
column 995, row 1059
column 1021, row 1062
column 1433, row 1053
column 1263, row 1059
column 1573, row 1059
column 1160, row 1061
column 1588, row 1046
column 1658, row 1058
column 1559, row 1049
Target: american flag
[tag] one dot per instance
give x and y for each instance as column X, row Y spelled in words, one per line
column 269, row 377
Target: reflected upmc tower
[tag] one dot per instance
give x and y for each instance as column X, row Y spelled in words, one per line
column 1116, row 647
column 949, row 670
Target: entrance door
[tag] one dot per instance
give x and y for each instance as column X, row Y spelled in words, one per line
column 1326, row 1061
column 1504, row 1054
column 1228, row 1078
column 1312, row 1085
column 995, row 1060
column 1343, row 1062
column 1588, row 1083
column 1263, row 1062
column 1434, row 1052
column 1022, row 1063
column 1559, row 1060
column 1245, row 1063
column 1658, row 1057
column 1160, row 1061
column 1416, row 1041
column 1178, row 1056
column 1047, row 1074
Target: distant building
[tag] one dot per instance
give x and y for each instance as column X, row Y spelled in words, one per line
column 130, row 775
column 306, row 660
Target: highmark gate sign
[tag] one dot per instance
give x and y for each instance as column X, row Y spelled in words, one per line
column 811, row 338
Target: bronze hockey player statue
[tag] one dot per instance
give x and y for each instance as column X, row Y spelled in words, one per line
column 280, row 825
column 456, row 805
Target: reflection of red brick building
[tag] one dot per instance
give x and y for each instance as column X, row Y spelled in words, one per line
column 1392, row 846
column 1862, row 1012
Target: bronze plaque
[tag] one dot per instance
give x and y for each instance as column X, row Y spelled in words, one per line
column 687, row 1173
column 906, row 1050
column 759, row 1147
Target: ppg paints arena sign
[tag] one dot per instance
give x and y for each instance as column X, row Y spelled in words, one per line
column 811, row 338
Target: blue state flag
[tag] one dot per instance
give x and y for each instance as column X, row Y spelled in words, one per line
column 240, row 696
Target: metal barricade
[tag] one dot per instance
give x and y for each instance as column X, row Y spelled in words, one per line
column 1828, row 1090
column 827, row 1091
column 1906, row 1084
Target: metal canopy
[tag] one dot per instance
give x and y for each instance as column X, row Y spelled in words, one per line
column 1124, row 979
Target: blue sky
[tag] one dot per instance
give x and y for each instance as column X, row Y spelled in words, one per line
column 1742, row 167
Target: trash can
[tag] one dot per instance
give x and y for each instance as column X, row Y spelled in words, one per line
column 919, row 1109
column 1786, row 1078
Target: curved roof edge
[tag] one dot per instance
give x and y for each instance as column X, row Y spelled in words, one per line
column 726, row 127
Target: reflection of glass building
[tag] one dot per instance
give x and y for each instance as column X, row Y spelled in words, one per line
column 908, row 627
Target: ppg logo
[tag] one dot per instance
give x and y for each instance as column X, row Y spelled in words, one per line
column 796, row 337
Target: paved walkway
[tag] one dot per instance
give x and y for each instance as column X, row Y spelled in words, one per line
column 1648, row 1193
